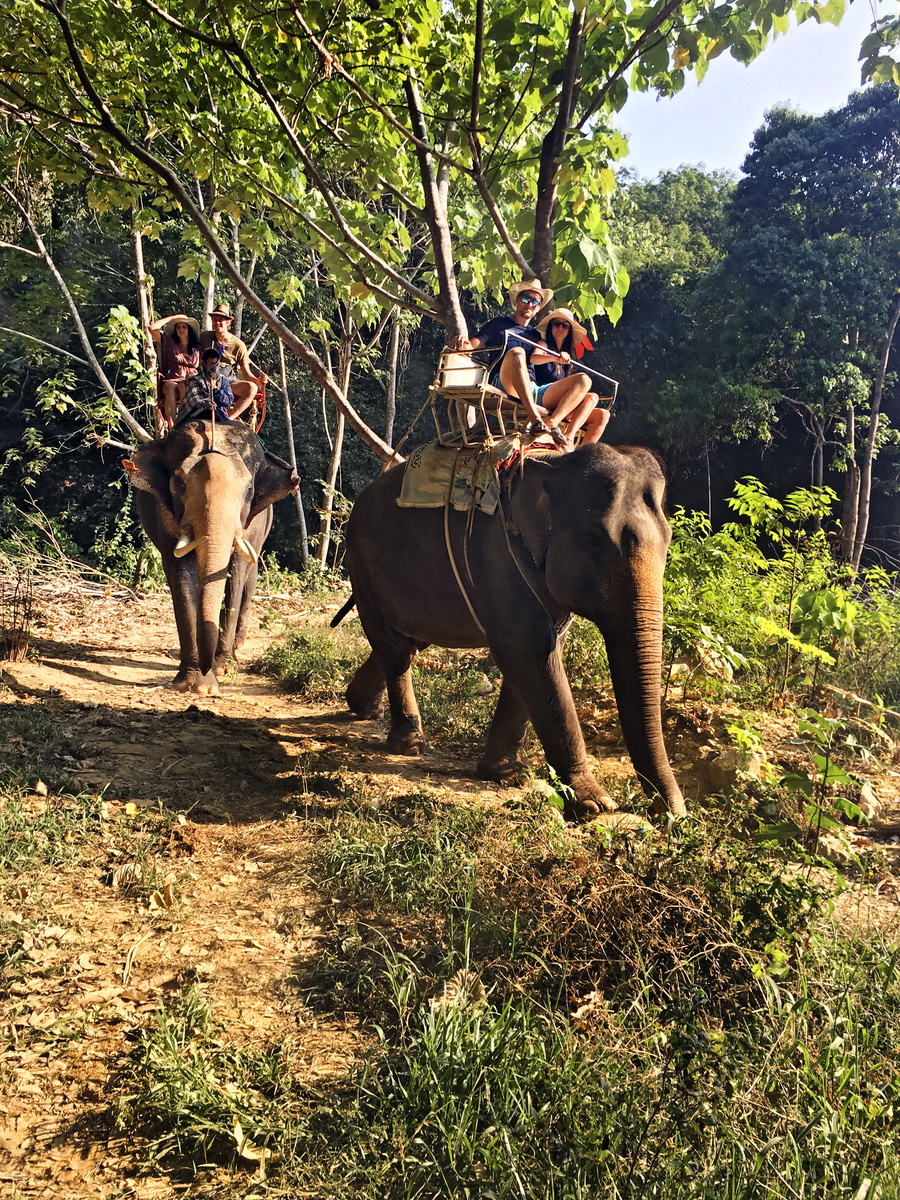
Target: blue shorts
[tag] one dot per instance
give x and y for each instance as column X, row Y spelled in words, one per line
column 536, row 392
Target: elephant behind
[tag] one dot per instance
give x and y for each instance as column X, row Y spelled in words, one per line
column 208, row 510
column 581, row 533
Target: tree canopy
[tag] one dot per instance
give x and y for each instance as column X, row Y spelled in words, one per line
column 342, row 130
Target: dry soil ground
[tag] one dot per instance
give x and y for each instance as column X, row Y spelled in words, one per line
column 230, row 905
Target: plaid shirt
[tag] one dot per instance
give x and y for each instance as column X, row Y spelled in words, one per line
column 196, row 391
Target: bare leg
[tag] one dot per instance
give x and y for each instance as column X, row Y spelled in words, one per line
column 565, row 397
column 171, row 394
column 243, row 391
column 516, row 381
column 596, row 424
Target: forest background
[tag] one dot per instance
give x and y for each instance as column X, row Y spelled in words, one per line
column 358, row 188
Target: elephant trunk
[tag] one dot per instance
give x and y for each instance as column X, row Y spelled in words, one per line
column 633, row 637
column 213, row 558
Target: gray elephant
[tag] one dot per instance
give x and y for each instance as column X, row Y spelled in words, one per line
column 580, row 533
column 208, row 509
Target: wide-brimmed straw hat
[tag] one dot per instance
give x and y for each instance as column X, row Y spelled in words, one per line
column 222, row 310
column 171, row 322
column 530, row 285
column 579, row 333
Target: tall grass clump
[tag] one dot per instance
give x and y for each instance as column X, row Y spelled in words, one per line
column 420, row 856
column 316, row 662
column 456, row 692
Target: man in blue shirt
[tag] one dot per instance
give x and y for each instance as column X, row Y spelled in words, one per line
column 524, row 348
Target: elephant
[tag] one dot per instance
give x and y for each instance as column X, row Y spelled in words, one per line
column 205, row 500
column 582, row 533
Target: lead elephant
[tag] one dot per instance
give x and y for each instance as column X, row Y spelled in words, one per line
column 580, row 533
column 208, row 509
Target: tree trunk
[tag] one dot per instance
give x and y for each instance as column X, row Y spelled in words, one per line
column 551, row 152
column 348, row 332
column 145, row 300
column 391, row 401
column 209, row 297
column 851, row 491
column 292, row 455
column 435, row 211
column 865, row 480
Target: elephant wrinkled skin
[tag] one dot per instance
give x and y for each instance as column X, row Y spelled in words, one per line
column 208, row 510
column 585, row 533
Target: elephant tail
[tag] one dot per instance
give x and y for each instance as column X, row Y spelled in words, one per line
column 342, row 612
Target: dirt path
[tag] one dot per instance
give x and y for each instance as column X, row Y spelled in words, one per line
column 244, row 919
column 229, row 904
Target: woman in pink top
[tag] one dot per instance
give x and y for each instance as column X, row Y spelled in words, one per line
column 179, row 357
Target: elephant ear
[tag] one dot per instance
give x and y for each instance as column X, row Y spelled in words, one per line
column 274, row 479
column 147, row 471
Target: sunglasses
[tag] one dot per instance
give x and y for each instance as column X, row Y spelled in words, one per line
column 560, row 325
column 531, row 301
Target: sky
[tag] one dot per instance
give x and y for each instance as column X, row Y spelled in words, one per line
column 814, row 67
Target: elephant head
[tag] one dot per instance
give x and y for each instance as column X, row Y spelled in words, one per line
column 601, row 534
column 205, row 507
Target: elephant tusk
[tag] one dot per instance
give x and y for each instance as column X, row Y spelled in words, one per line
column 185, row 545
column 245, row 550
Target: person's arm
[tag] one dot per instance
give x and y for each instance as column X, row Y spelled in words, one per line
column 156, row 328
column 242, row 362
column 464, row 343
column 542, row 353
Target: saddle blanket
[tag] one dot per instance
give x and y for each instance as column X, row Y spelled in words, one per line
column 465, row 476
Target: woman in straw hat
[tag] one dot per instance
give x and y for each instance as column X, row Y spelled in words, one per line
column 563, row 334
column 179, row 357
column 514, row 371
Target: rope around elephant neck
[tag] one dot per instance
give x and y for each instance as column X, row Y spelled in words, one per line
column 456, row 574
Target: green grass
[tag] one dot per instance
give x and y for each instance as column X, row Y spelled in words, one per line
column 316, row 662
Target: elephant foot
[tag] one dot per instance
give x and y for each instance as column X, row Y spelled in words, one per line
column 590, row 800
column 509, row 771
column 370, row 712
column 408, row 742
column 223, row 665
column 193, row 681
column 184, row 681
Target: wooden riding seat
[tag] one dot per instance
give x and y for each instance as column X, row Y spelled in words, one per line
column 465, row 384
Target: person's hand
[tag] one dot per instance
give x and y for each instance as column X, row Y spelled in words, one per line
column 564, row 357
column 459, row 342
column 262, row 378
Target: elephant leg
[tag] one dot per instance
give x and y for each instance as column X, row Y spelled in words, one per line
column 181, row 576
column 501, row 762
column 365, row 691
column 543, row 684
column 393, row 652
column 405, row 735
column 239, row 592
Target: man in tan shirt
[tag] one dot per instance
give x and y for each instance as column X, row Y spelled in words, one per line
column 235, row 366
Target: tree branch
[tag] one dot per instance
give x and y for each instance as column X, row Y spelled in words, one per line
column 635, row 52
column 317, row 368
column 56, row 349
column 135, row 426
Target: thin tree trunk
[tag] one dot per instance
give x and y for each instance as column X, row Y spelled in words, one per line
column 346, row 363
column 292, row 455
column 145, row 300
column 865, row 481
column 391, row 401
column 236, row 259
column 851, row 490
column 435, row 212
